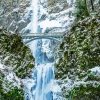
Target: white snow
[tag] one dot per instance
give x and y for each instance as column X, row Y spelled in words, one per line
column 96, row 70
column 61, row 19
column 28, row 83
column 55, row 87
column 1, row 66
column 9, row 75
column 47, row 23
column 16, row 10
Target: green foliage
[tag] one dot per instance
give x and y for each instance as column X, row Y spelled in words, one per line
column 80, row 50
column 15, row 94
column 15, row 54
column 85, row 93
column 81, row 9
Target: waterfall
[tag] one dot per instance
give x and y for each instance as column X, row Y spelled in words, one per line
column 40, row 88
column 34, row 21
column 41, row 85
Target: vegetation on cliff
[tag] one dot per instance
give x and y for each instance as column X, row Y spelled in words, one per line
column 15, row 54
column 81, row 48
column 18, row 59
column 15, row 94
column 81, row 9
column 79, row 57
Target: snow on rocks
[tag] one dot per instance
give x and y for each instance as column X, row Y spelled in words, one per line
column 10, row 80
column 95, row 70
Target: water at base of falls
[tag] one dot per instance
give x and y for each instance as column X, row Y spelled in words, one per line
column 44, row 79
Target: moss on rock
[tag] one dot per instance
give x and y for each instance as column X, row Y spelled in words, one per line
column 78, row 53
column 15, row 94
column 80, row 50
column 18, row 59
column 15, row 54
column 85, row 93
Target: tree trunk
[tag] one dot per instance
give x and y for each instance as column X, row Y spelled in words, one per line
column 99, row 2
column 92, row 5
column 87, row 12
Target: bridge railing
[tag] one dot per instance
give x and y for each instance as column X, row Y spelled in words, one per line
column 44, row 34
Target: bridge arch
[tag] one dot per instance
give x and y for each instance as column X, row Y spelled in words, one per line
column 37, row 38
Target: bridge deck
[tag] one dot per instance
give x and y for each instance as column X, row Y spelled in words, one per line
column 54, row 33
column 42, row 35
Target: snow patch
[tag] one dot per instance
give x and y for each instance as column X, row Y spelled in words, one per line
column 1, row 66
column 95, row 70
column 49, row 24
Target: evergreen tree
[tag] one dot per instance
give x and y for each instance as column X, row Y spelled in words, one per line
column 82, row 10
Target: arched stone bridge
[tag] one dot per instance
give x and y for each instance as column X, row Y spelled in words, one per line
column 34, row 36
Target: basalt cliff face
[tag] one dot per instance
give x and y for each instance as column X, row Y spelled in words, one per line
column 57, row 14
column 16, row 15
column 12, row 14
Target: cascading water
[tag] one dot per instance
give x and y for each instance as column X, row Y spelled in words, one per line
column 43, row 75
column 42, row 85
